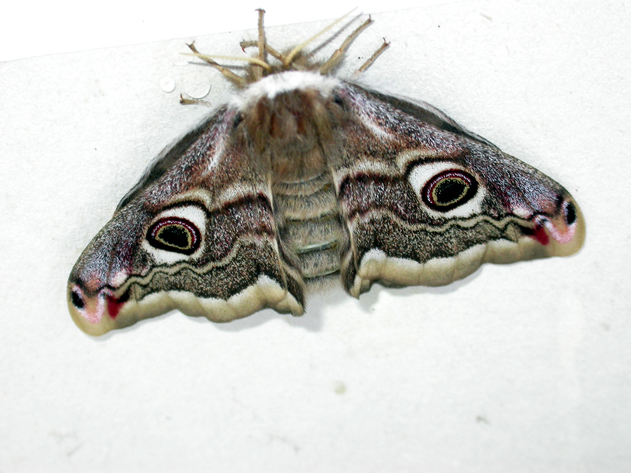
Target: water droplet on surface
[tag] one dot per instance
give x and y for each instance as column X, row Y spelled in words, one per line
column 167, row 84
column 197, row 88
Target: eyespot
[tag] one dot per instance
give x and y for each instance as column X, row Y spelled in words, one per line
column 174, row 234
column 449, row 189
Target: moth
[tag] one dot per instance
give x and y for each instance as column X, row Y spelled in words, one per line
column 304, row 178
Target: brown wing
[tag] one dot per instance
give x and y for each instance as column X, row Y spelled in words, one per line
column 196, row 234
column 426, row 202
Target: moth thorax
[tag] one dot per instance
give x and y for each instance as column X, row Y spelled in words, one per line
column 291, row 128
column 296, row 118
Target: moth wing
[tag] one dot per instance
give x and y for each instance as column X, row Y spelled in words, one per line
column 426, row 202
column 197, row 234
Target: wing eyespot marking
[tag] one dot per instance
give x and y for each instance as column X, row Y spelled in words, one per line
column 449, row 189
column 446, row 189
column 174, row 234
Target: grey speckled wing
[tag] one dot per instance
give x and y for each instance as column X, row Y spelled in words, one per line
column 426, row 202
column 304, row 179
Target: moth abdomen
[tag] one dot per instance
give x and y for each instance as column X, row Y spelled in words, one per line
column 317, row 205
column 310, row 225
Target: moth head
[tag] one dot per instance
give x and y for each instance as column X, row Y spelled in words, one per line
column 288, row 109
column 109, row 281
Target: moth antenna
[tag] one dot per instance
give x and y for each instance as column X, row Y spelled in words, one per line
column 339, row 52
column 258, row 72
column 234, row 78
column 372, row 58
column 252, row 60
column 292, row 54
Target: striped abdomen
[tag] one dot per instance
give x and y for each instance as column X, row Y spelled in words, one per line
column 310, row 225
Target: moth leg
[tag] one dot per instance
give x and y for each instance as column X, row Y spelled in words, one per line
column 339, row 53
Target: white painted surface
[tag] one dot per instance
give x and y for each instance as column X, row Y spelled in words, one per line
column 520, row 368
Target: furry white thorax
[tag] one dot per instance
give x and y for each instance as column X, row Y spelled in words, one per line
column 276, row 84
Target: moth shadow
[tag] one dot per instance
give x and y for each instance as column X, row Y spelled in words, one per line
column 319, row 303
column 324, row 300
column 368, row 300
column 262, row 317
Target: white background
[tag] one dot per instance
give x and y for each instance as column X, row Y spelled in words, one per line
column 519, row 368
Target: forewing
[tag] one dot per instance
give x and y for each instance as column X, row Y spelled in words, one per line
column 196, row 234
column 426, row 201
